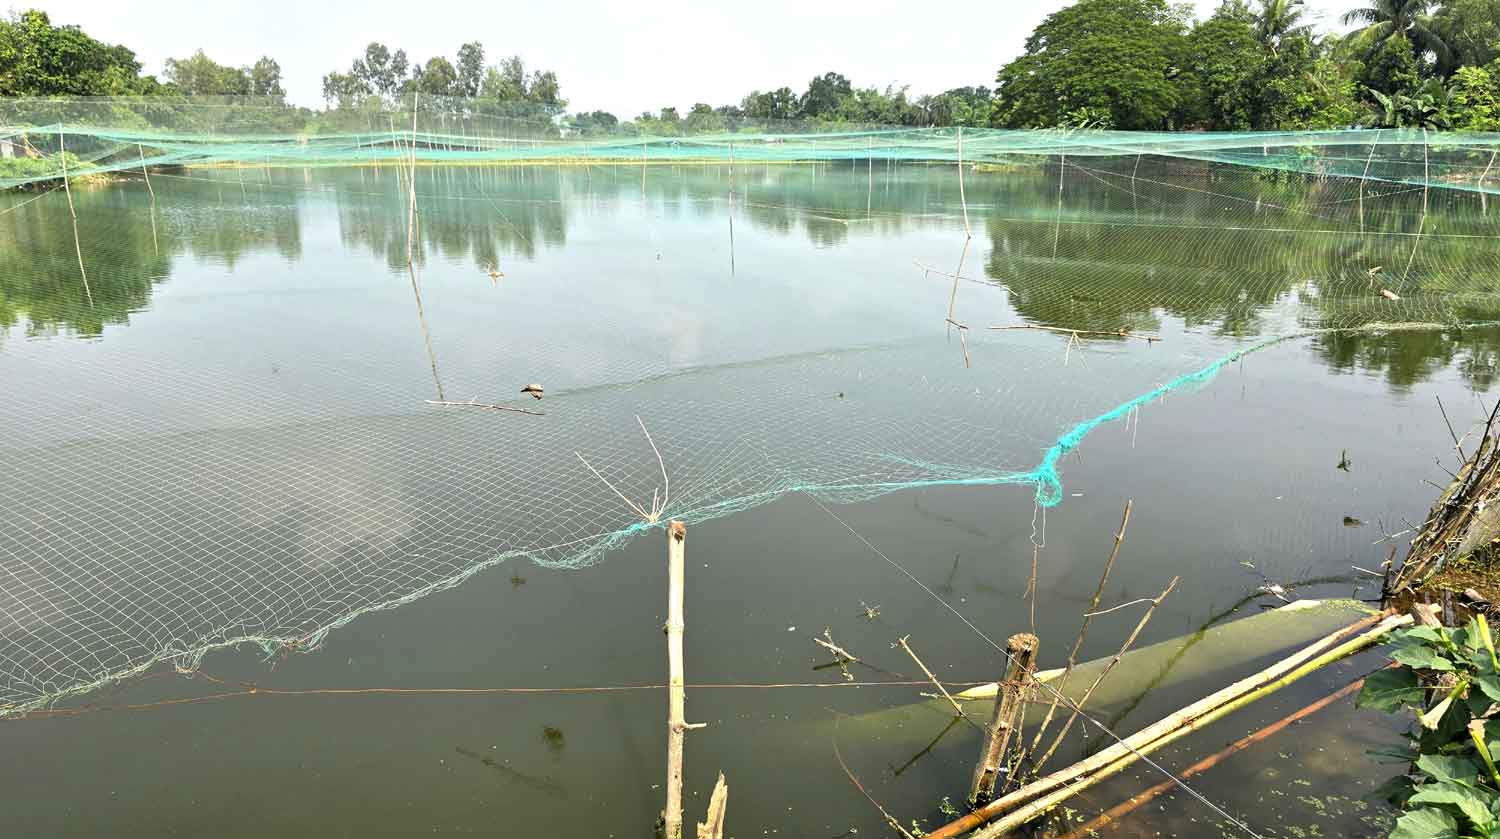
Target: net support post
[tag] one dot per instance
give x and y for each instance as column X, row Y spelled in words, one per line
column 1021, row 651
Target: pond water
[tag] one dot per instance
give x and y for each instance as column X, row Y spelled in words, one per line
column 224, row 440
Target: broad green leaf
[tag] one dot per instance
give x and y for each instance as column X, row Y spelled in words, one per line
column 1389, row 689
column 1429, row 634
column 1422, row 658
column 1460, row 770
column 1473, row 803
column 1426, row 823
column 1489, row 684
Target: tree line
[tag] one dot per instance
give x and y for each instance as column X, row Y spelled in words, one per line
column 1125, row 64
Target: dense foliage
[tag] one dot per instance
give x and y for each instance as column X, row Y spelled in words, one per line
column 1128, row 64
column 1451, row 787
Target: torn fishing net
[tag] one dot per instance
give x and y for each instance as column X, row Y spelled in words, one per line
column 171, row 484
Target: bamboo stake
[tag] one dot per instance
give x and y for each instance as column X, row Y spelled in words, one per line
column 472, row 404
column 1135, row 802
column 77, row 247
column 1078, row 707
column 1484, row 204
column 1188, row 716
column 713, row 826
column 1021, row 651
column 155, row 248
column 968, row 233
column 676, row 727
column 1122, row 332
column 1088, row 617
column 1373, row 143
column 957, row 711
column 1180, row 726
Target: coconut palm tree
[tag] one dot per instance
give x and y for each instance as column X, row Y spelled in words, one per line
column 1278, row 20
column 1387, row 19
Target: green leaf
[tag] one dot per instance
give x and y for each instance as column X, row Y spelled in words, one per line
column 1490, row 685
column 1429, row 634
column 1422, row 658
column 1473, row 803
column 1426, row 823
column 1460, row 770
column 1387, row 690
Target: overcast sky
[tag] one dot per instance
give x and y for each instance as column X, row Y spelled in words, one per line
column 621, row 57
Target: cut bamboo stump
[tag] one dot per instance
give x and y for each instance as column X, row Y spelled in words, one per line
column 713, row 826
column 1021, row 650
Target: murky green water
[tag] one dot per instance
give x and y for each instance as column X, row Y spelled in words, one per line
column 251, row 339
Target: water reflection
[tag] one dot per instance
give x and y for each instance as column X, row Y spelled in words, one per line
column 1097, row 245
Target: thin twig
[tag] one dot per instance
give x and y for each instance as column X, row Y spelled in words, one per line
column 1122, row 332
column 666, row 492
column 1451, row 433
column 839, row 756
column 839, row 652
column 1117, row 608
column 1083, row 630
column 958, row 711
column 1078, row 706
column 631, row 504
column 472, row 404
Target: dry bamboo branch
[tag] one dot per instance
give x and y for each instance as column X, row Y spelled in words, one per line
column 1188, row 717
column 968, row 234
column 957, row 711
column 77, row 247
column 1122, row 332
column 1083, row 630
column 472, row 404
column 838, row 652
column 1082, row 701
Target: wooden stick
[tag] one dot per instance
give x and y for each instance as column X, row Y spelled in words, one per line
column 472, row 404
column 1181, row 726
column 957, row 711
column 968, row 234
column 1188, row 716
column 838, row 652
column 1114, row 813
column 1484, row 205
column 1088, row 618
column 713, row 826
column 411, row 215
column 77, row 247
column 1122, row 332
column 1078, row 707
column 676, row 727
column 1021, row 651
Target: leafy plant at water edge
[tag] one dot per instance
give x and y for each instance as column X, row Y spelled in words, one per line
column 1452, row 787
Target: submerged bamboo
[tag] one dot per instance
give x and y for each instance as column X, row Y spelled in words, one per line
column 1187, row 719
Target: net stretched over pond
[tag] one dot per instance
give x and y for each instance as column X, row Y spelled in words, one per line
column 216, row 428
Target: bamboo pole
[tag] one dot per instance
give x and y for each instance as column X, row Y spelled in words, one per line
column 155, row 248
column 1021, row 650
column 1484, row 204
column 676, row 726
column 77, row 247
column 1135, row 802
column 1181, row 725
column 1189, row 718
column 968, row 234
column 957, row 711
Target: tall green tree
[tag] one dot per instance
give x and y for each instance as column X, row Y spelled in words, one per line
column 1122, row 57
column 265, row 78
column 39, row 59
column 1278, row 20
column 1471, row 29
column 470, row 69
column 1227, row 57
column 199, row 75
column 1384, row 20
column 824, row 95
column 438, row 78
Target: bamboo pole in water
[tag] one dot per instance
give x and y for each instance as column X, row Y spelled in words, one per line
column 1021, row 650
column 1180, row 725
column 969, row 234
column 676, row 725
column 1188, row 719
column 62, row 152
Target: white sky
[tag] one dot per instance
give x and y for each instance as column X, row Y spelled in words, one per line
column 621, row 57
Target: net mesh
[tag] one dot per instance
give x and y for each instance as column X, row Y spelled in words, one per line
column 175, row 489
